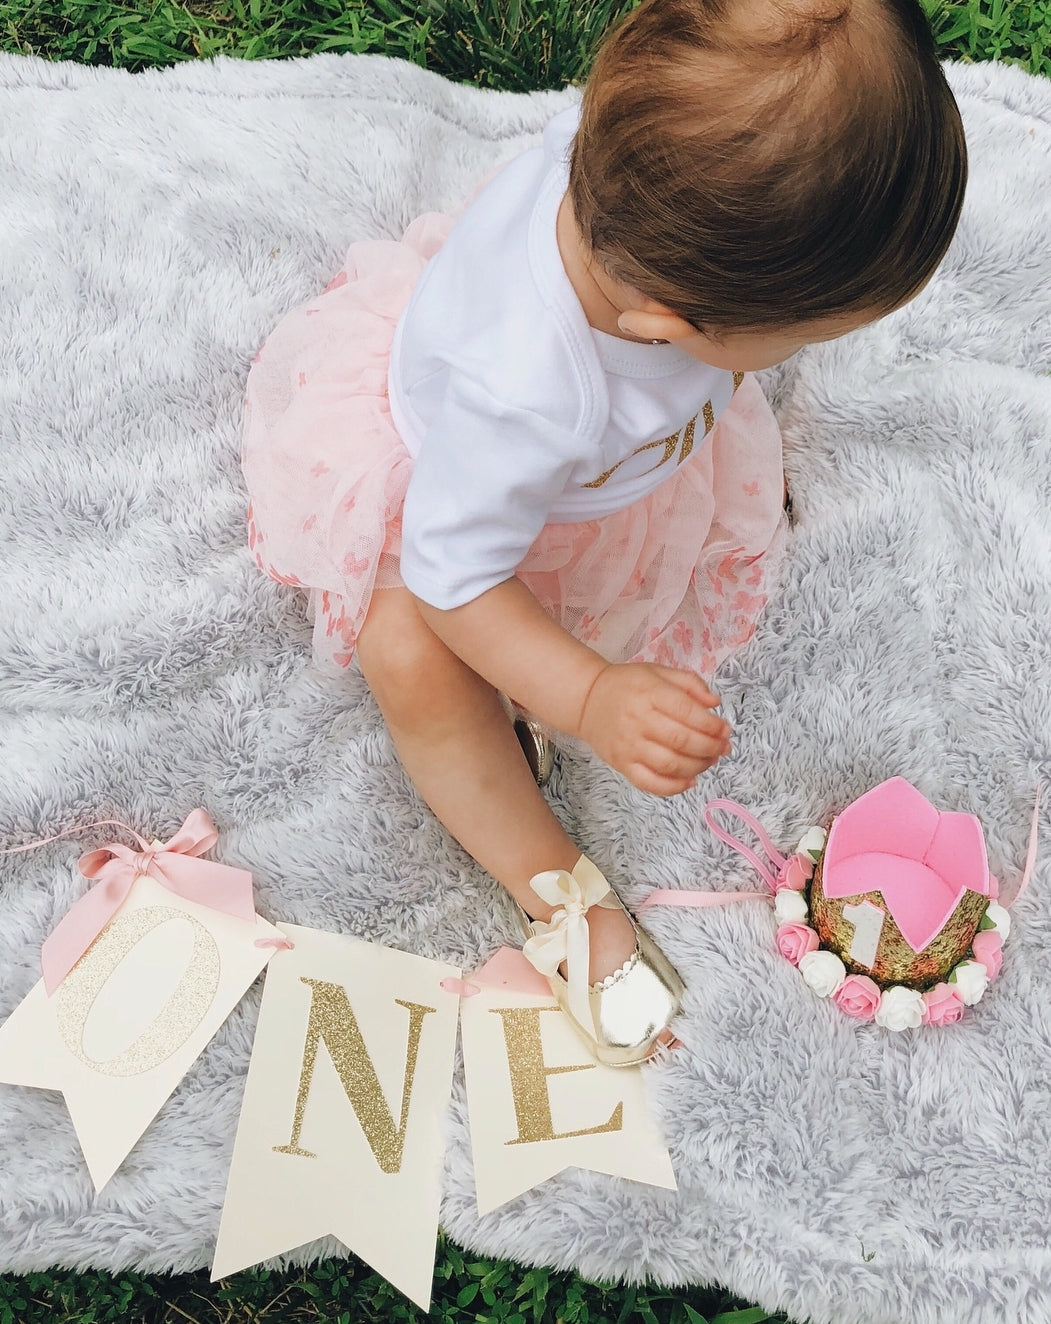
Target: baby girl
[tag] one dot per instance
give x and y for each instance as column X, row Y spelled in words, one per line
column 520, row 455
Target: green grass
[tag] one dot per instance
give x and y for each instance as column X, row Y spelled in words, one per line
column 466, row 1288
column 514, row 45
column 995, row 30
column 499, row 43
column 510, row 44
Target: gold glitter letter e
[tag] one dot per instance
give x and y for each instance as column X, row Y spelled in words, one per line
column 529, row 1073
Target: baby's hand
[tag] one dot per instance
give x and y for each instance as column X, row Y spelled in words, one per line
column 655, row 725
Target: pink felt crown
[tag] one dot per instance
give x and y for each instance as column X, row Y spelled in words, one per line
column 892, row 840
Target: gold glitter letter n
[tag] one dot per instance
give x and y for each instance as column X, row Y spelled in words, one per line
column 529, row 1073
column 333, row 1021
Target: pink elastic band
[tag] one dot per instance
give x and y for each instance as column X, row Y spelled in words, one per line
column 701, row 900
column 282, row 944
column 773, row 854
column 1030, row 855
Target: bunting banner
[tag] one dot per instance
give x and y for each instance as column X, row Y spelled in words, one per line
column 126, row 1023
column 538, row 1101
column 341, row 1127
column 341, row 1131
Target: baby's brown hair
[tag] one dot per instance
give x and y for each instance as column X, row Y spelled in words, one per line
column 753, row 164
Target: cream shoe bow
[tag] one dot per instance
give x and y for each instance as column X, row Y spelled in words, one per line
column 565, row 936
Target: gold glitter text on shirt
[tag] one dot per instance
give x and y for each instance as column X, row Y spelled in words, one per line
column 332, row 1022
column 529, row 1074
column 685, row 435
column 180, row 1015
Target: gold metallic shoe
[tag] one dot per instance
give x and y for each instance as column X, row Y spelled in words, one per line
column 536, row 746
column 621, row 1016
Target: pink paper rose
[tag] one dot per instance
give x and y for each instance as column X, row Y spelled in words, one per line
column 988, row 949
column 858, row 996
column 796, row 872
column 795, row 940
column 942, row 1005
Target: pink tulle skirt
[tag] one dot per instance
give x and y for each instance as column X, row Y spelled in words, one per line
column 678, row 578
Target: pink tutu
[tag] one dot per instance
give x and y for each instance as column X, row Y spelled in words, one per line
column 678, row 578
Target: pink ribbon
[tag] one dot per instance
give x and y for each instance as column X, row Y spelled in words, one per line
column 460, row 987
column 280, row 944
column 699, row 900
column 174, row 864
column 674, row 897
column 1030, row 855
column 775, row 857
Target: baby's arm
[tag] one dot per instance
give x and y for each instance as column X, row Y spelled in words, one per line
column 652, row 723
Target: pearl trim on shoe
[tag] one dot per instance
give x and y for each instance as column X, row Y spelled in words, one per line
column 622, row 1016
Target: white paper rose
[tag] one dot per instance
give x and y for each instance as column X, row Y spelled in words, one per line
column 971, row 979
column 823, row 971
column 812, row 842
column 999, row 918
column 900, row 1008
column 790, row 907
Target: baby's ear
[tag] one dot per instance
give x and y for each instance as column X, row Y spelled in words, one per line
column 654, row 322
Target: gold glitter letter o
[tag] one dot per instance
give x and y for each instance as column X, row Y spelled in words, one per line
column 177, row 1019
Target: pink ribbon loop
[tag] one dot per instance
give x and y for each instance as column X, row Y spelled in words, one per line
column 173, row 863
column 779, row 861
column 702, row 900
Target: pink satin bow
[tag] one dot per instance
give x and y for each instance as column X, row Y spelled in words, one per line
column 173, row 863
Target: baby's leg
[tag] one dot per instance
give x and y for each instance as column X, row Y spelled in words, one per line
column 459, row 747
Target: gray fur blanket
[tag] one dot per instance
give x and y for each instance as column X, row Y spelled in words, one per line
column 152, row 231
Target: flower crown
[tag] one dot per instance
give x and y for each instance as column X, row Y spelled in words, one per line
column 893, row 913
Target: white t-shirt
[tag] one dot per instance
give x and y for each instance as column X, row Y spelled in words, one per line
column 517, row 412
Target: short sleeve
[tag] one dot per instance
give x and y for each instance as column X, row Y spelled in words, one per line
column 484, row 480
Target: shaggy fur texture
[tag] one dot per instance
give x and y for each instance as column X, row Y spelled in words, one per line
column 152, row 230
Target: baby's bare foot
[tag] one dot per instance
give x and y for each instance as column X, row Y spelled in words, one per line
column 612, row 941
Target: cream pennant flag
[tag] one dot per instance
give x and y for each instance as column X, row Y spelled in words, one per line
column 127, row 1022
column 341, row 1129
column 538, row 1101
